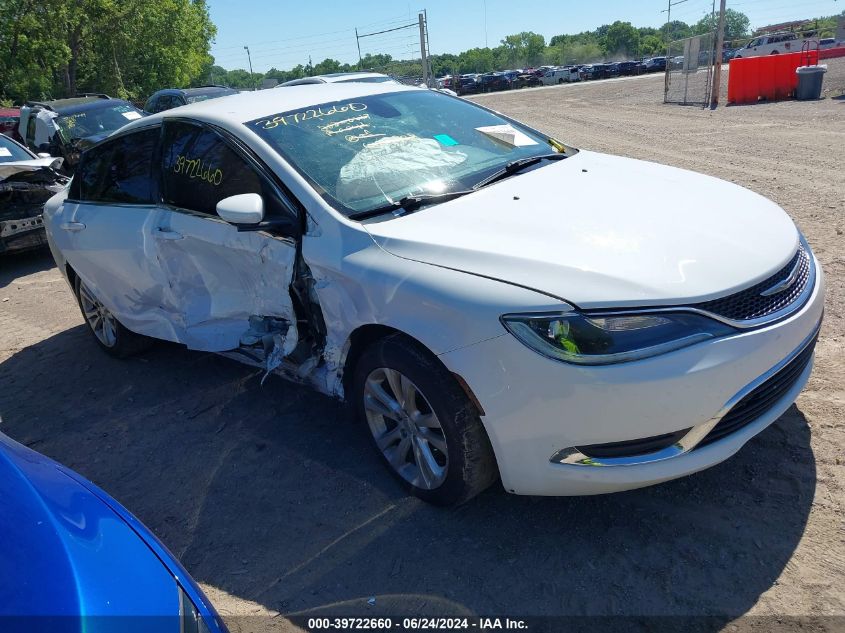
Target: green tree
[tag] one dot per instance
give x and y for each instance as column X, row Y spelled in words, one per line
column 621, row 39
column 737, row 25
column 129, row 48
column 477, row 60
column 524, row 48
column 675, row 30
column 652, row 45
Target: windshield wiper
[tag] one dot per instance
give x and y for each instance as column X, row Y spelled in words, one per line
column 516, row 166
column 409, row 204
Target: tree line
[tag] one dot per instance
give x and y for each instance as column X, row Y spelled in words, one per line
column 617, row 41
column 126, row 48
column 131, row 48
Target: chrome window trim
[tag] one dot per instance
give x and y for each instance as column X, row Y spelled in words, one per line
column 574, row 457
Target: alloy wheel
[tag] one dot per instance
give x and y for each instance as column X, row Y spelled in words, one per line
column 405, row 428
column 100, row 320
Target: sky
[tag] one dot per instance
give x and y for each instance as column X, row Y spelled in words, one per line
column 282, row 34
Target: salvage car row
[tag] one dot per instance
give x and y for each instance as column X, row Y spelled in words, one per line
column 548, row 75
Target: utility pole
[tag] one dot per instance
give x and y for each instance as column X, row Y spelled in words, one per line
column 358, row 42
column 717, row 71
column 249, row 57
column 485, row 25
column 424, row 53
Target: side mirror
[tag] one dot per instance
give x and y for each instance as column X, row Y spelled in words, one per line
column 44, row 155
column 246, row 208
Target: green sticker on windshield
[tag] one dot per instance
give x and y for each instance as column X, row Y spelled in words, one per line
column 445, row 139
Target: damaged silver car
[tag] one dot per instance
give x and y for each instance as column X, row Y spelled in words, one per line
column 27, row 181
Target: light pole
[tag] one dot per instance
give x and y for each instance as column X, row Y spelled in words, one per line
column 249, row 57
column 485, row 24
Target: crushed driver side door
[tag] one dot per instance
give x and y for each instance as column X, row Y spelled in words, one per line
column 230, row 285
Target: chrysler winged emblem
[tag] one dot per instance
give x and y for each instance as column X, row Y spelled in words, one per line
column 786, row 284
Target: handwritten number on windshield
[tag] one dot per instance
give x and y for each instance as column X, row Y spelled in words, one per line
column 307, row 115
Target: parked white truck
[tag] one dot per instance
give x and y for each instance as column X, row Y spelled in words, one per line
column 772, row 44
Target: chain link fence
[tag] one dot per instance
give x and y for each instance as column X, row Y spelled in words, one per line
column 689, row 70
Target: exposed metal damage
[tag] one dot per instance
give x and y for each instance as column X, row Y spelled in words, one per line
column 23, row 191
column 291, row 347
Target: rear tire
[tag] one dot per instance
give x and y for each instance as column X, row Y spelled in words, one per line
column 423, row 425
column 111, row 336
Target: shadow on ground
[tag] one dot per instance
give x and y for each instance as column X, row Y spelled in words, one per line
column 16, row 265
column 274, row 495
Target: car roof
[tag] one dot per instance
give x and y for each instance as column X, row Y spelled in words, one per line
column 248, row 106
column 330, row 78
column 361, row 74
column 75, row 105
column 200, row 90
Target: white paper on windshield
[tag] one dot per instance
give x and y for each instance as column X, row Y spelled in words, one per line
column 4, row 151
column 507, row 134
column 131, row 115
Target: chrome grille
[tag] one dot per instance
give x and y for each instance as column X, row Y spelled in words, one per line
column 750, row 304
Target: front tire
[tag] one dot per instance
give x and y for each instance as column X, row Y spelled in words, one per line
column 109, row 333
column 423, row 425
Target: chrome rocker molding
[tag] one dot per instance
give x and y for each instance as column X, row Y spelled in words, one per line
column 574, row 457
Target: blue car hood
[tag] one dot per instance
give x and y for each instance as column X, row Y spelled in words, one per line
column 65, row 552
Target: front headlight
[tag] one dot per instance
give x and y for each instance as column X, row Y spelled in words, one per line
column 579, row 338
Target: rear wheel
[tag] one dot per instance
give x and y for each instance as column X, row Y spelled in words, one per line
column 423, row 425
column 110, row 335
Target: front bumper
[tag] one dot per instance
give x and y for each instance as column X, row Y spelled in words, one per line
column 22, row 234
column 538, row 409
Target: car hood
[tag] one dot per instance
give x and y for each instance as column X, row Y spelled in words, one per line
column 600, row 231
column 20, row 166
column 64, row 552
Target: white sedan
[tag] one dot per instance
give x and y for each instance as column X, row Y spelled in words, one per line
column 410, row 252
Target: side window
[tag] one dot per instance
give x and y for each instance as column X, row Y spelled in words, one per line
column 151, row 105
column 119, row 170
column 200, row 168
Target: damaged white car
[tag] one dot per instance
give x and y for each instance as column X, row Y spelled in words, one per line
column 412, row 253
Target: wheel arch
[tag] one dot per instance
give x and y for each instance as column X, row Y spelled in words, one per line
column 366, row 335
column 71, row 275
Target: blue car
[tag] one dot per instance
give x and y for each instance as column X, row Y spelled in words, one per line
column 72, row 559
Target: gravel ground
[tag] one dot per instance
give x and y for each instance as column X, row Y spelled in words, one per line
column 274, row 501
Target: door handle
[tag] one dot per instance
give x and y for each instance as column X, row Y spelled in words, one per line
column 73, row 227
column 164, row 234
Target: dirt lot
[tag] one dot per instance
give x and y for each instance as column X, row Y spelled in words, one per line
column 275, row 503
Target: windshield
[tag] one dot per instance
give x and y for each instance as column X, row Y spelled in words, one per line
column 96, row 121
column 364, row 153
column 11, row 151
